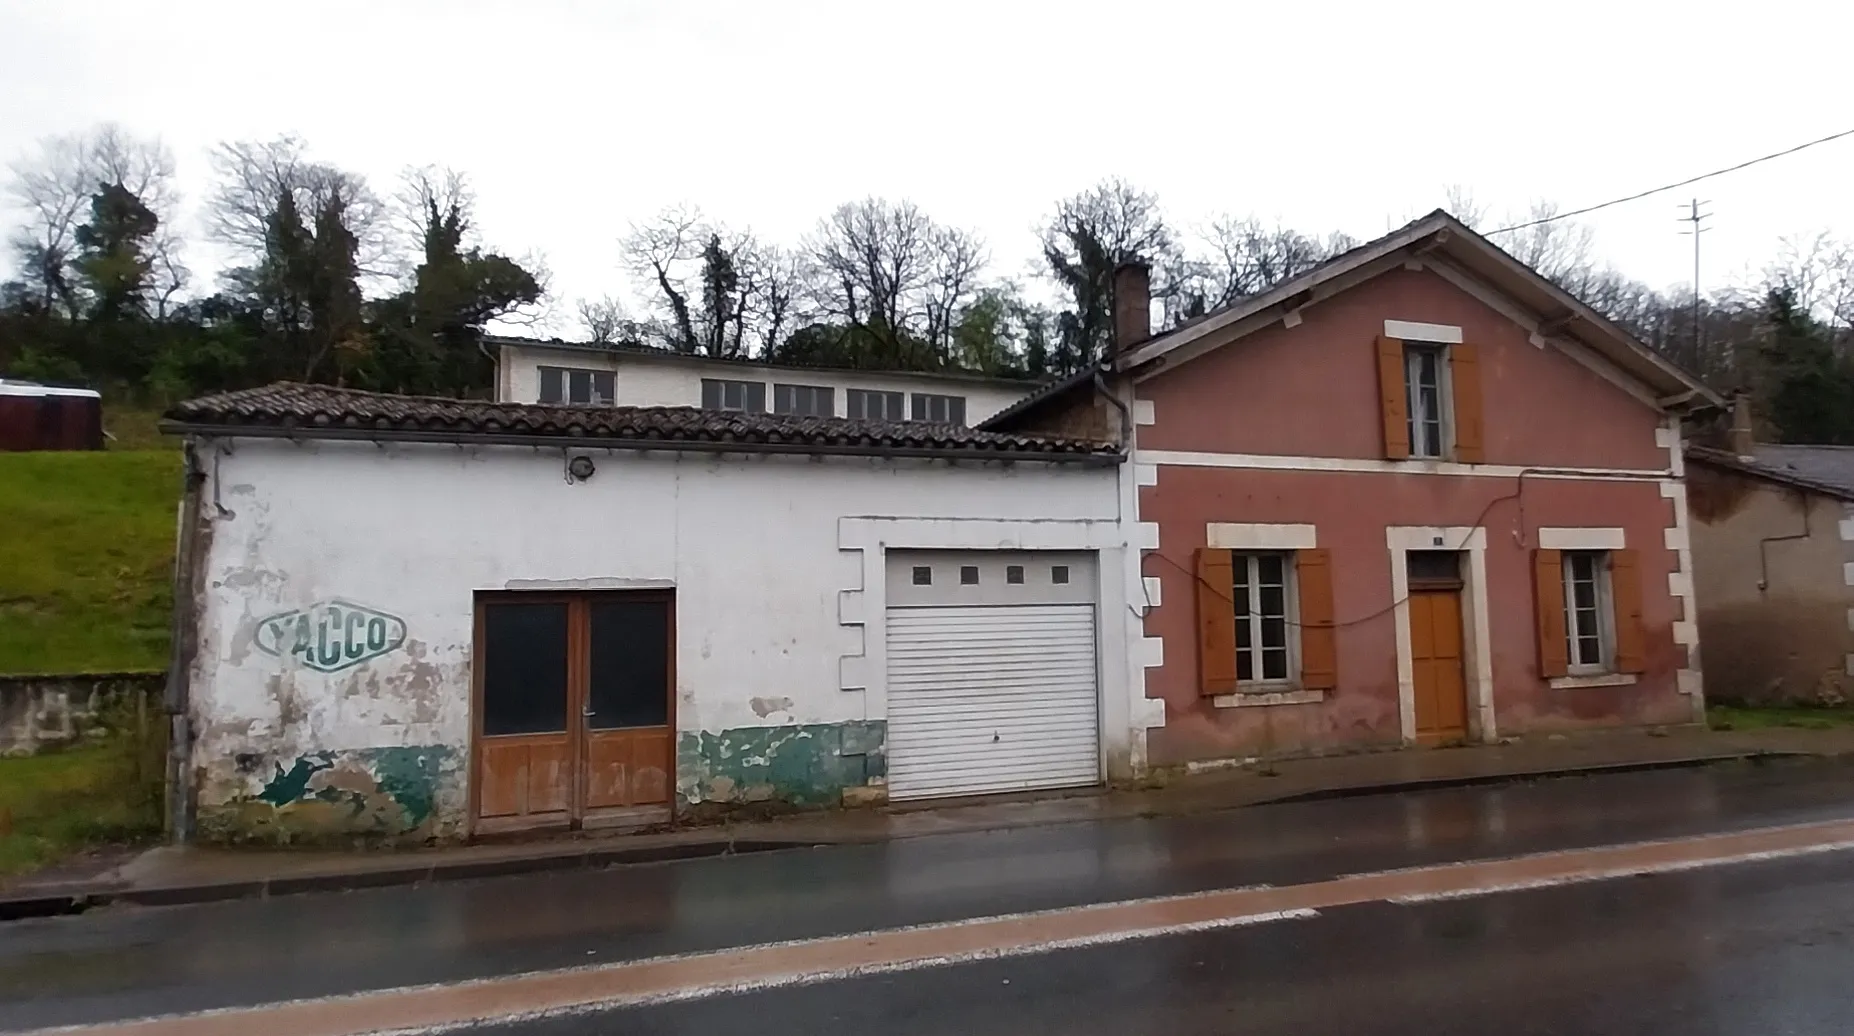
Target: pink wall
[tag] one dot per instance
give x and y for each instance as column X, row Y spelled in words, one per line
column 1312, row 391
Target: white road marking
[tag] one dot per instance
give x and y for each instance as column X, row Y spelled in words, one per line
column 1612, row 873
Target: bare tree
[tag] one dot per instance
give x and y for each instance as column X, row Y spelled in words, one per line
column 1088, row 236
column 604, row 320
column 895, row 277
column 664, row 252
column 53, row 188
column 776, row 279
column 1239, row 257
column 1459, row 201
column 255, row 175
column 956, row 261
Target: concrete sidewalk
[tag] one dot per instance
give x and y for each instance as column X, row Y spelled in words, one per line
column 173, row 874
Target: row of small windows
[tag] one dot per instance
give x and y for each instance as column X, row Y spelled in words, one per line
column 969, row 575
column 821, row 401
column 598, row 388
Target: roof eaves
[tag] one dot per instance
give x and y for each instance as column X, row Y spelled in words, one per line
column 1370, row 251
column 296, row 411
column 1052, row 391
column 1484, row 250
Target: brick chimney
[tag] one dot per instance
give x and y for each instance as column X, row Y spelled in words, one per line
column 1132, row 305
column 1744, row 434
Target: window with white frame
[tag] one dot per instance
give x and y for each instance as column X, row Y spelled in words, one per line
column 742, row 396
column 805, row 400
column 1589, row 630
column 1425, row 384
column 1263, row 594
column 871, row 405
column 573, row 385
column 939, row 409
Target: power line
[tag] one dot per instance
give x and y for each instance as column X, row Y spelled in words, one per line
column 1672, row 186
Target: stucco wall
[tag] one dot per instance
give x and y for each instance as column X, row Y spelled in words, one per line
column 1284, row 427
column 1774, row 600
column 775, row 561
column 643, row 381
column 1312, row 390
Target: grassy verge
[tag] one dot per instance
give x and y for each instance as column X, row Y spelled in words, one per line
column 101, row 793
column 135, row 427
column 86, row 560
column 1805, row 717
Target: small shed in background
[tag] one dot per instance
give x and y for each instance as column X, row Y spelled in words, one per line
column 49, row 417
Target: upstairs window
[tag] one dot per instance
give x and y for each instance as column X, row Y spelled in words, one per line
column 573, row 385
column 805, row 400
column 746, row 397
column 1429, row 396
column 1425, row 385
column 939, row 409
column 869, row 405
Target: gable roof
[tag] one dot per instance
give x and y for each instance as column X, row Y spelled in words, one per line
column 1438, row 235
column 292, row 410
column 1827, row 470
column 1442, row 235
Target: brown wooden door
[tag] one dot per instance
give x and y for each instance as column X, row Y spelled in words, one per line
column 572, row 709
column 1436, row 657
column 524, row 717
column 629, row 754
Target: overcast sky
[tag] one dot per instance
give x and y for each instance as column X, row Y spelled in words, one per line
column 574, row 118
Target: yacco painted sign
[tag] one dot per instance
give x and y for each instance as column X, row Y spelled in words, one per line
column 331, row 635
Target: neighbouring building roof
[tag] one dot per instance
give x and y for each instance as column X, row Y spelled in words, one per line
column 292, row 410
column 670, row 356
column 33, row 388
column 1828, row 470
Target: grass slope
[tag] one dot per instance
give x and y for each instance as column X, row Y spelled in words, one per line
column 61, row 803
column 86, row 559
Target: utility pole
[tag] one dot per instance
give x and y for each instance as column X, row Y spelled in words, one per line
column 1695, row 216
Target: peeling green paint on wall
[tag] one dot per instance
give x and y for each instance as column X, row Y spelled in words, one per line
column 389, row 795
column 800, row 764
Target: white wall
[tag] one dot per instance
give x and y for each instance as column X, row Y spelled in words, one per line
column 646, row 381
column 776, row 563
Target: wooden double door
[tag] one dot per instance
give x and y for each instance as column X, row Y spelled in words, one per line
column 572, row 709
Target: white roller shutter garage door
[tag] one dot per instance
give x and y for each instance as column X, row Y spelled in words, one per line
column 991, row 683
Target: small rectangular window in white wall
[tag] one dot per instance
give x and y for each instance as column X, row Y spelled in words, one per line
column 739, row 396
column 573, row 385
column 805, row 400
column 939, row 409
column 871, row 405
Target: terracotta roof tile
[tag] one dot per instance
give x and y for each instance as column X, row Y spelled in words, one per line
column 321, row 411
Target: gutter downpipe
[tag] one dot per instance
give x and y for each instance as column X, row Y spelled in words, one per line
column 183, row 631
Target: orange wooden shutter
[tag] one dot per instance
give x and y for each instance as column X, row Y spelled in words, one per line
column 1216, row 623
column 1319, row 656
column 1625, row 590
column 1392, row 399
column 1548, row 583
column 1464, row 373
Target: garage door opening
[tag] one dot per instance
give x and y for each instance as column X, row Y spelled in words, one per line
column 993, row 682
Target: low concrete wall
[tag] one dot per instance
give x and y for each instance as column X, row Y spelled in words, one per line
column 37, row 712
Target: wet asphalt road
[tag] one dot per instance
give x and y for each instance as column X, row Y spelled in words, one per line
column 136, row 962
column 1756, row 950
